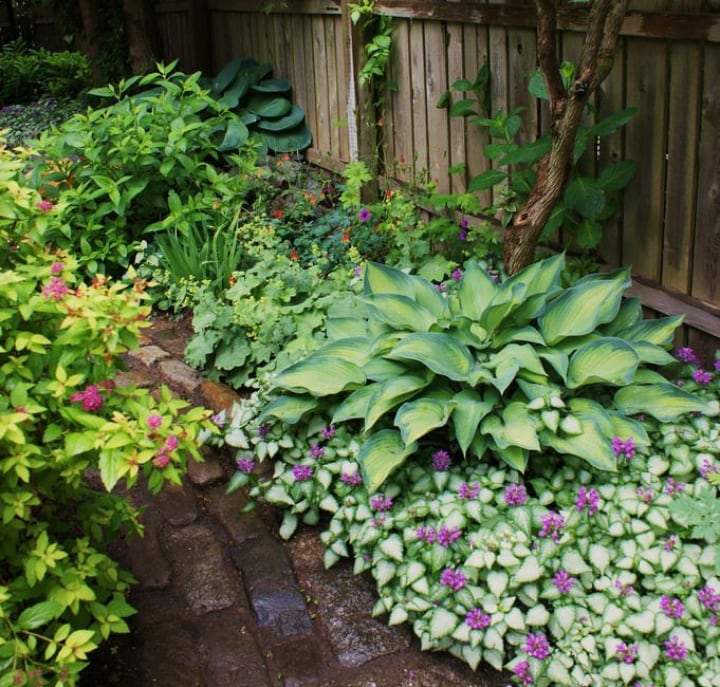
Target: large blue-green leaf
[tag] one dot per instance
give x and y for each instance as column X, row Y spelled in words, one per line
column 625, row 427
column 664, row 401
column 591, row 445
column 264, row 106
column 581, row 308
column 515, row 426
column 320, row 376
column 289, row 409
column 400, row 312
column 345, row 327
column 272, row 86
column 355, row 349
column 475, row 291
column 417, row 418
column 515, row 456
column 288, row 121
column 470, row 409
column 381, row 278
column 437, row 351
column 228, row 74
column 427, row 295
column 235, row 136
column 541, row 280
column 392, row 393
column 382, row 370
column 629, row 314
column 609, row 360
column 520, row 333
column 382, row 453
column 236, row 91
column 288, row 141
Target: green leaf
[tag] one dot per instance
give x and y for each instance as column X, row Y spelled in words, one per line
column 463, row 108
column 290, row 120
column 470, row 409
column 664, row 401
column 288, row 409
column 486, row 180
column 586, row 197
column 416, row 418
column 269, row 107
column 391, row 393
column 660, row 332
column 591, row 445
column 227, row 75
column 289, row 140
column 514, row 427
column 400, row 312
column 356, row 405
column 613, row 122
column 587, row 234
column 610, row 360
column 581, row 308
column 381, row 278
column 442, row 623
column 476, row 290
column 272, row 86
column 235, row 136
column 617, row 176
column 320, row 376
column 39, row 614
column 437, row 351
column 79, row 442
column 380, row 455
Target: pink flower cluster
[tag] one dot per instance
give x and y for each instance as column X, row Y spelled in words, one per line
column 445, row 536
column 453, row 578
column 672, row 607
column 91, row 399
column 162, row 457
column 477, row 620
column 522, row 673
column 515, row 495
column 563, row 581
column 552, row 526
column 627, row 654
column 537, row 645
column 381, row 503
column 587, row 498
column 469, row 491
column 56, row 289
column 441, row 460
column 623, row 448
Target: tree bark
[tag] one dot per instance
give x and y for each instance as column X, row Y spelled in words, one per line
column 566, row 107
column 90, row 41
column 143, row 35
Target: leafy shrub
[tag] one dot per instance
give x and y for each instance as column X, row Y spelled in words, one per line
column 26, row 74
column 63, row 419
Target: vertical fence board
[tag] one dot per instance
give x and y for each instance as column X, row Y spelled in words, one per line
column 683, row 116
column 522, row 61
column 706, row 272
column 419, row 159
column 342, row 91
column 402, row 105
column 645, row 141
column 437, row 119
column 319, row 56
column 311, row 111
column 332, row 85
column 456, row 70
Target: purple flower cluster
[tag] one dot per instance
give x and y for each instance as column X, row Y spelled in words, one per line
column 453, row 578
column 623, row 448
column 675, row 649
column 441, row 460
column 351, row 478
column 708, row 467
column 672, row 607
column 687, row 355
column 709, row 598
column 522, row 673
column 646, row 495
column 364, row 215
column 552, row 526
column 445, row 536
column 670, row 542
column 627, row 654
column 563, row 581
column 702, row 377
column 302, row 473
column 316, row 451
column 469, row 491
column 515, row 495
column 264, row 430
column 624, row 589
column 457, row 274
column 246, row 465
column 477, row 620
column 328, row 432
column 672, row 487
column 462, row 234
column 381, row 503
column 537, row 645
column 587, row 498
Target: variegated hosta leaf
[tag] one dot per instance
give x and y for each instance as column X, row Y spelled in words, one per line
column 382, row 453
column 514, row 427
column 382, row 370
column 664, row 401
column 288, row 409
column 392, row 393
column 508, row 361
column 470, row 409
column 437, row 351
column 345, row 327
column 652, row 354
column 355, row 350
column 320, row 376
column 400, row 312
column 541, row 280
column 417, row 418
column 660, row 332
column 610, row 360
column 626, row 427
column 381, row 278
column 593, row 300
column 629, row 314
column 591, row 445
column 476, row 290
column 355, row 406
column 514, row 456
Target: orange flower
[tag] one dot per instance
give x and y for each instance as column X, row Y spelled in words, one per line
column 277, row 214
column 293, row 255
column 346, row 237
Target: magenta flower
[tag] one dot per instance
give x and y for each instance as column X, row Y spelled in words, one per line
column 154, row 422
column 627, row 654
column 426, row 534
column 161, row 460
column 91, row 399
column 515, row 495
column 702, row 377
column 709, row 598
column 246, row 465
column 316, row 451
column 381, row 503
column 441, row 460
column 453, row 578
column 302, row 473
column 457, row 274
column 469, row 491
column 716, row 365
column 687, row 355
column 56, row 289
column 707, row 468
column 328, row 432
column 537, row 646
column 364, row 215
column 447, row 535
column 351, row 478
column 171, row 443
column 623, row 448
column 624, row 589
column 552, row 526
column 646, row 495
column 477, row 620
column 57, row 268
column 670, row 542
column 672, row 487
column 264, row 430
column 587, row 498
column 45, row 205
column 675, row 649
column 563, row 581
column 522, row 673
column 672, row 607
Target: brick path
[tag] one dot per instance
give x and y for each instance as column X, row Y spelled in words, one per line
column 224, row 603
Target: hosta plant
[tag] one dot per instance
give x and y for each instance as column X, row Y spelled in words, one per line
column 516, row 369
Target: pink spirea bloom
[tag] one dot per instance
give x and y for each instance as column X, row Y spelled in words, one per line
column 44, row 205
column 56, row 289
column 477, row 620
column 154, row 421
column 537, row 645
column 171, row 443
column 91, row 399
column 515, row 495
column 161, row 460
column 57, row 268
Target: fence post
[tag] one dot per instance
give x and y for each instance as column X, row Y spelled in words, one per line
column 199, row 22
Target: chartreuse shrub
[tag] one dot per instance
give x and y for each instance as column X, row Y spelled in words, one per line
column 569, row 539
column 63, row 419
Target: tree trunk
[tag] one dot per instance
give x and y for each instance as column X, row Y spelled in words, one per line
column 143, row 35
column 566, row 106
column 10, row 11
column 90, row 43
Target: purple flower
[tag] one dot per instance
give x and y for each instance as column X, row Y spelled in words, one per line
column 462, row 235
column 357, row 270
column 627, row 654
column 351, row 478
column 716, row 365
column 154, row 421
column 515, row 495
column 457, row 274
column 672, row 607
column 426, row 534
column 453, row 578
column 441, row 460
column 707, row 468
column 702, row 377
column 56, row 289
column 522, row 673
column 709, row 598
column 381, row 503
column 675, row 649
column 264, row 430
column 563, row 581
column 364, row 215
column 218, row 419
column 624, row 589
column 328, row 432
column 670, row 542
column 447, row 535
column 477, row 620
column 686, row 355
column 246, row 465
column 469, row 491
column 626, row 448
column 672, row 487
column 161, row 460
column 316, row 451
column 589, row 499
column 646, row 495
column 441, row 287
column 552, row 526
column 91, row 399
column 302, row 473
column 537, row 645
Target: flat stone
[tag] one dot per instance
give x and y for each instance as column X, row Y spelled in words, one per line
column 203, row 574
column 206, row 473
column 297, row 662
column 241, row 527
column 232, row 656
column 148, row 355
column 218, row 396
column 136, row 378
column 147, row 559
column 170, row 337
column 180, row 375
column 177, row 504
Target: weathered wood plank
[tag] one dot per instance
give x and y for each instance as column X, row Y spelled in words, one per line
column 294, row 7
column 681, row 177
column 456, row 70
column 499, row 88
column 522, row 61
column 331, row 64
column 342, row 91
column 312, row 110
column 645, row 142
column 419, row 159
column 437, row 119
column 401, row 128
column 706, row 272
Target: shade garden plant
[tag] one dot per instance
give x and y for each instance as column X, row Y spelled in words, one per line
column 509, row 464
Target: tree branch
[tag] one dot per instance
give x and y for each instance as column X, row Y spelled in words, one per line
column 547, row 52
